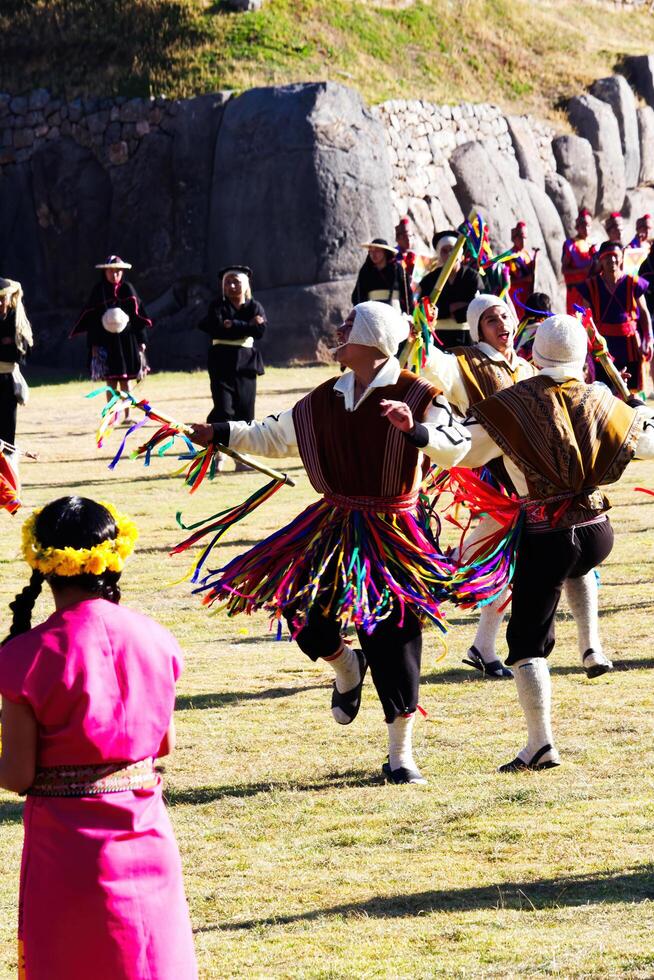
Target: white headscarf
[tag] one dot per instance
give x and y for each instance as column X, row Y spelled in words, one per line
column 478, row 306
column 378, row 325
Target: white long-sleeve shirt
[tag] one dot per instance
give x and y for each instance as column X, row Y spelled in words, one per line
column 274, row 437
column 469, row 441
column 444, row 371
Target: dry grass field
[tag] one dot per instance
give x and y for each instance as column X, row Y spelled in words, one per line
column 299, row 862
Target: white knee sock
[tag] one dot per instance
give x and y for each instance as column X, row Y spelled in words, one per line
column 345, row 665
column 490, row 620
column 532, row 679
column 400, row 748
column 581, row 594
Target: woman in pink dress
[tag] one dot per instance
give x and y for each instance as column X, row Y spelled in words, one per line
column 87, row 703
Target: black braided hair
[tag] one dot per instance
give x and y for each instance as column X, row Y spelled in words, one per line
column 23, row 605
column 68, row 522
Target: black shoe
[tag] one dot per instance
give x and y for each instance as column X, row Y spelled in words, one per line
column 350, row 701
column 534, row 764
column 596, row 670
column 402, row 776
column 495, row 669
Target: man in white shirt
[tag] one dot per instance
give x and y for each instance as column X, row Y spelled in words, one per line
column 362, row 554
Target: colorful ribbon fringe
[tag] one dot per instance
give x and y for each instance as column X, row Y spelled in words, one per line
column 202, row 462
column 486, row 572
column 354, row 564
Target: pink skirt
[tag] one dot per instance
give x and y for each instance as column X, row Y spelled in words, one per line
column 101, row 891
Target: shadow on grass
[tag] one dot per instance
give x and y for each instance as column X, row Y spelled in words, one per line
column 632, row 885
column 11, row 812
column 210, row 794
column 109, row 479
column 457, row 676
column 195, row 702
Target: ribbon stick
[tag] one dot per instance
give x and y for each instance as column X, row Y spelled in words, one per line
column 419, row 341
column 202, row 461
column 7, row 447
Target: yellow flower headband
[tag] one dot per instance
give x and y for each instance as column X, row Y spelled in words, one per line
column 108, row 556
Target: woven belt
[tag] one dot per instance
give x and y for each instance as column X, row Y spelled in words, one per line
column 113, row 777
column 376, row 505
column 550, row 510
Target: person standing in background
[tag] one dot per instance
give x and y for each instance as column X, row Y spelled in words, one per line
column 16, row 341
column 234, row 323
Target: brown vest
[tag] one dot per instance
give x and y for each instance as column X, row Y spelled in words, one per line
column 360, row 454
column 566, row 438
column 483, row 376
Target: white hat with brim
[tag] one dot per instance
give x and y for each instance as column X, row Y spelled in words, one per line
column 380, row 244
column 113, row 262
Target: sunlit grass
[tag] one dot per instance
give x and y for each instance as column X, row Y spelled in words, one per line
column 298, row 862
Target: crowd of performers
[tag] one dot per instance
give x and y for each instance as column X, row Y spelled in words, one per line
column 523, row 442
column 614, row 278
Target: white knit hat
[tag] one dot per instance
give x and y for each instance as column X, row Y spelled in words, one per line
column 378, row 325
column 560, row 342
column 478, row 306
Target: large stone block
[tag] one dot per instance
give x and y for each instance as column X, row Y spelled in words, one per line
column 596, row 121
column 616, row 91
column 646, row 138
column 575, row 161
column 303, row 320
column 160, row 204
column 526, row 150
column 550, row 224
column 21, row 250
column 489, row 183
column 640, row 72
column 560, row 193
column 72, row 202
column 301, row 178
column 637, row 202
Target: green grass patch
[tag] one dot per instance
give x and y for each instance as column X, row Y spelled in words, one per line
column 522, row 56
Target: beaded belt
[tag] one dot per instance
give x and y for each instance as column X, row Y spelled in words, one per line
column 112, row 777
column 376, row 505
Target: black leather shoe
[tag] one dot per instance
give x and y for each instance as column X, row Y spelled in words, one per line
column 350, row 701
column 402, row 776
column 495, row 669
column 596, row 670
column 534, row 764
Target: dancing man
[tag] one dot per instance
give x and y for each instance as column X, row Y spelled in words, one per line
column 361, row 554
column 560, row 440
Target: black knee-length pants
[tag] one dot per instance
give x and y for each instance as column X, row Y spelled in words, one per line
column 393, row 652
column 545, row 560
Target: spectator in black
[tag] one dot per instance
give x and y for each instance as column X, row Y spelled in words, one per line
column 383, row 278
column 234, row 322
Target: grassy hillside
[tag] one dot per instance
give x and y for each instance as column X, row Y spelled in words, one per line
column 525, row 55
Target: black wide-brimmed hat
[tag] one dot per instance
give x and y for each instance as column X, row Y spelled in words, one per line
column 243, row 269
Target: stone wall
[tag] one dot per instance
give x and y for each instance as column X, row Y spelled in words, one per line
column 291, row 181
